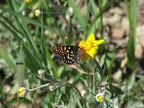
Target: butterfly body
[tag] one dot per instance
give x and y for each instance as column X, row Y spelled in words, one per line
column 69, row 54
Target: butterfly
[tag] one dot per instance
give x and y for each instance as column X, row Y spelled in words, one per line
column 69, row 54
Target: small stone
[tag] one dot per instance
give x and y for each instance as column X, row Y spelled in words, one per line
column 118, row 33
column 138, row 51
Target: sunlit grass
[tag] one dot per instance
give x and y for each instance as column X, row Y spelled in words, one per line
column 47, row 80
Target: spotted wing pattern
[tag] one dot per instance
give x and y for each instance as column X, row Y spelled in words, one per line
column 69, row 54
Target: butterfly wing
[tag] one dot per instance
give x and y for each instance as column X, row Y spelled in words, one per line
column 69, row 54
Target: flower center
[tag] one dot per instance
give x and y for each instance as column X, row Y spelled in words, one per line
column 88, row 45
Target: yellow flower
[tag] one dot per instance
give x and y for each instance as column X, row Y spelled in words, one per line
column 27, row 1
column 37, row 12
column 99, row 97
column 22, row 91
column 89, row 47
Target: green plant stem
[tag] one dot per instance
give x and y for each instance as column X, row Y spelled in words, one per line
column 61, row 84
column 131, row 6
column 42, row 86
column 94, row 79
column 101, row 20
column 100, row 13
column 83, row 101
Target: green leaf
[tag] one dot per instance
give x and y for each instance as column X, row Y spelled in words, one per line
column 7, row 58
column 132, row 34
column 77, row 13
column 2, row 95
column 93, row 25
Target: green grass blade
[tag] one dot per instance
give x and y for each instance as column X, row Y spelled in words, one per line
column 93, row 25
column 32, row 60
column 32, row 21
column 43, row 45
column 27, row 19
column 132, row 34
column 77, row 13
column 7, row 58
column 52, row 65
column 12, row 31
column 2, row 95
column 20, row 68
column 6, row 20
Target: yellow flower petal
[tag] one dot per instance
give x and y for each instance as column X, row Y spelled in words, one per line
column 89, row 47
column 99, row 97
column 92, row 52
column 85, row 57
column 27, row 1
column 81, row 43
column 91, row 37
column 97, row 42
column 22, row 91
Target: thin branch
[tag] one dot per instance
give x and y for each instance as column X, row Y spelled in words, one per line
column 80, row 70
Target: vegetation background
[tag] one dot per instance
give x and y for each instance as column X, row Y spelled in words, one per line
column 25, row 42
